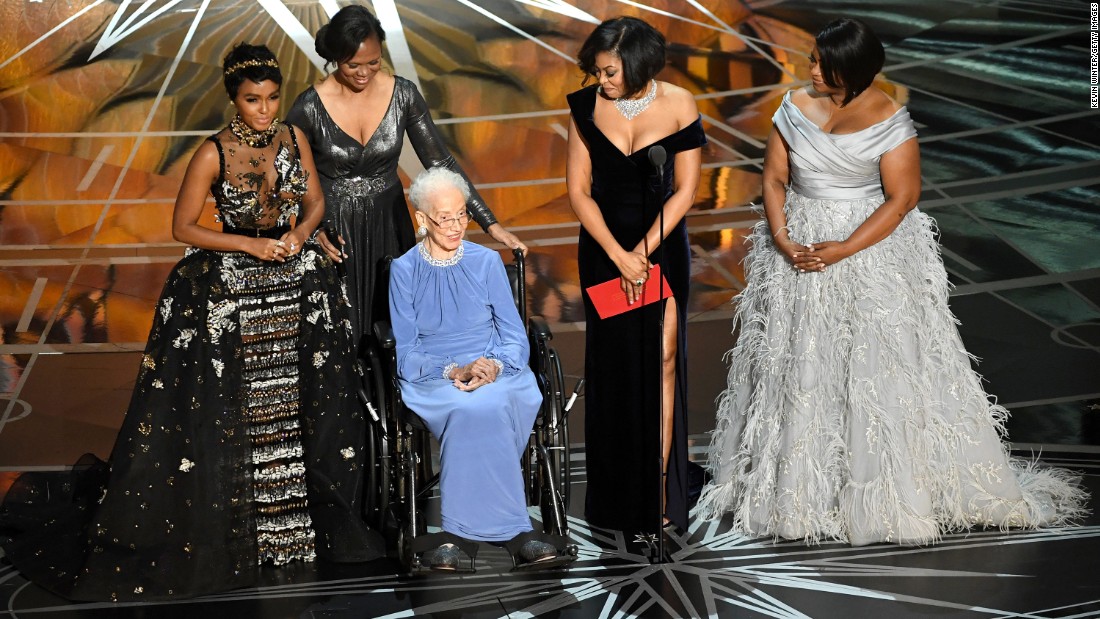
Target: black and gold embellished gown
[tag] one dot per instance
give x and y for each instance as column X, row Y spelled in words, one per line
column 240, row 419
column 363, row 193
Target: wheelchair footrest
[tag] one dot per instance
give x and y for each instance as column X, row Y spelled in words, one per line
column 566, row 552
column 429, row 555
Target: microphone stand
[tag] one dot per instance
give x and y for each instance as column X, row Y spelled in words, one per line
column 657, row 157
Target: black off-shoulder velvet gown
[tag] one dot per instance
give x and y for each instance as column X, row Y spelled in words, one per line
column 622, row 353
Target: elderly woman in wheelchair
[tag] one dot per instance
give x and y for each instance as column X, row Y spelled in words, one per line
column 462, row 355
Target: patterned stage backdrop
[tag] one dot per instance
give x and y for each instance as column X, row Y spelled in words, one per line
column 103, row 103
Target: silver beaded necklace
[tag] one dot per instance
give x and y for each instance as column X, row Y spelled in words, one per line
column 630, row 108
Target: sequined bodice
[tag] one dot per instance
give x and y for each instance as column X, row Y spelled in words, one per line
column 258, row 187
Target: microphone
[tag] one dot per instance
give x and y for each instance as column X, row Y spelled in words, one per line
column 657, row 157
column 657, row 554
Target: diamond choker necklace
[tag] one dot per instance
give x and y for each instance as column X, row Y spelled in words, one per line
column 630, row 108
column 248, row 135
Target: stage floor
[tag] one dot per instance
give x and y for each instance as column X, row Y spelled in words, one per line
column 713, row 573
column 102, row 103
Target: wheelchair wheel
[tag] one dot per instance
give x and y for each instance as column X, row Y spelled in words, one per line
column 546, row 463
column 379, row 489
column 557, row 430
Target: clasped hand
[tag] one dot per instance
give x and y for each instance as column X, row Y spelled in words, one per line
column 814, row 256
column 634, row 268
column 277, row 250
column 477, row 373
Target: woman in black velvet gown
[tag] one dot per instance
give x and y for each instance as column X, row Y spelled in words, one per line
column 633, row 394
column 235, row 449
column 355, row 120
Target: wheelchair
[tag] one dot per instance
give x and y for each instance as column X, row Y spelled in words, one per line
column 401, row 475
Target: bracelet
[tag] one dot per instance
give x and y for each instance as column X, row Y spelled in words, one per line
column 447, row 370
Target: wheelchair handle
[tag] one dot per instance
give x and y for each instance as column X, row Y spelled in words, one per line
column 576, row 393
column 521, row 283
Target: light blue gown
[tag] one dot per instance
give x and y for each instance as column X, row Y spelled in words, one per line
column 452, row 312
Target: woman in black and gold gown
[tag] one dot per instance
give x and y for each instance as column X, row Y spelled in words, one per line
column 356, row 119
column 633, row 394
column 221, row 457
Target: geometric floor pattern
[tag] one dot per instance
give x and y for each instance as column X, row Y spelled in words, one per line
column 102, row 103
column 712, row 573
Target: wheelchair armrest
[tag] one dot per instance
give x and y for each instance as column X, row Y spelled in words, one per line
column 383, row 332
column 539, row 328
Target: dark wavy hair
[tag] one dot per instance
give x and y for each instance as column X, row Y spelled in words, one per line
column 850, row 56
column 255, row 63
column 639, row 46
column 338, row 40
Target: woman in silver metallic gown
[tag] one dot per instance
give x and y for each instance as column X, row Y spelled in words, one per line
column 356, row 119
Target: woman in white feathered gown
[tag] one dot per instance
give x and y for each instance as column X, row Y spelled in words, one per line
column 851, row 411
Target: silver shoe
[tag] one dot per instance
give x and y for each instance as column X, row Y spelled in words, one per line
column 444, row 558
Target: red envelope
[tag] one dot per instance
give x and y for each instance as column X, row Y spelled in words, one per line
column 610, row 300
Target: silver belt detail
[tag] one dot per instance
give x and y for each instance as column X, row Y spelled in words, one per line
column 355, row 186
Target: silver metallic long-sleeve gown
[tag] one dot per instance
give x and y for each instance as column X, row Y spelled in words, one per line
column 851, row 411
column 363, row 193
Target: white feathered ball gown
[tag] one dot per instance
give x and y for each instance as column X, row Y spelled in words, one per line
column 851, row 411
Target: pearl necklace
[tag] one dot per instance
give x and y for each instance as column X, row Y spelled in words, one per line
column 630, row 108
column 440, row 262
column 248, row 135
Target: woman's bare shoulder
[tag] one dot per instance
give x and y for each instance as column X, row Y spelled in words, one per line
column 680, row 101
column 808, row 100
column 880, row 105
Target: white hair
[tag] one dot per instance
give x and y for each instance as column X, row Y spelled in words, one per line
column 432, row 180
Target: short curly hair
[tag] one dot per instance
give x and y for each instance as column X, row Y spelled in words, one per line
column 432, row 180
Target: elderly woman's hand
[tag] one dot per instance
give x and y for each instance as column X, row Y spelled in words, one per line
column 484, row 369
column 477, row 373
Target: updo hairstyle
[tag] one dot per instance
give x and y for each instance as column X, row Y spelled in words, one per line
column 249, row 62
column 338, row 40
